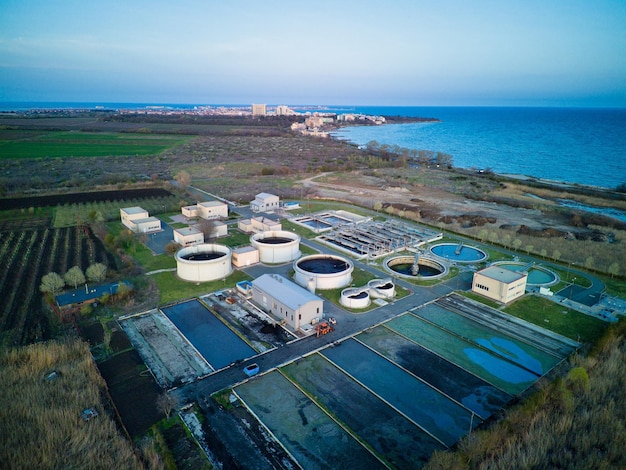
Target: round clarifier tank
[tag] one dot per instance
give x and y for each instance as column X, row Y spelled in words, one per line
column 382, row 288
column 459, row 252
column 276, row 246
column 426, row 267
column 537, row 275
column 323, row 272
column 205, row 262
column 355, row 297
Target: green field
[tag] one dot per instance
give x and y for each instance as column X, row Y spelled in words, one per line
column 18, row 145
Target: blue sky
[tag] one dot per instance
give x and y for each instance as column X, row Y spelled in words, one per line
column 413, row 52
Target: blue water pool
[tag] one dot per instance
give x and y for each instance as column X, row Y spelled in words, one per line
column 213, row 339
column 536, row 275
column 459, row 252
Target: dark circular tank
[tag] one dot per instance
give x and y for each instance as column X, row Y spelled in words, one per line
column 274, row 240
column 323, row 265
column 406, row 269
column 202, row 256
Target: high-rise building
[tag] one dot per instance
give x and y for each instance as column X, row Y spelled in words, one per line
column 259, row 109
column 282, row 110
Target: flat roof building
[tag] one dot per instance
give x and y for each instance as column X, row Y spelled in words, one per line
column 213, row 210
column 188, row 236
column 129, row 214
column 500, row 284
column 259, row 109
column 287, row 301
column 264, row 202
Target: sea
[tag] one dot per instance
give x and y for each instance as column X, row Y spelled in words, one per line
column 585, row 146
column 582, row 146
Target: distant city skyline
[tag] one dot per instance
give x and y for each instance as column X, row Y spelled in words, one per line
column 351, row 52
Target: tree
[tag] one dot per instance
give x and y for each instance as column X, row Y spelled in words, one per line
column 589, row 262
column 556, row 255
column 517, row 243
column 97, row 272
column 183, row 178
column 166, row 404
column 614, row 269
column 74, row 276
column 52, row 283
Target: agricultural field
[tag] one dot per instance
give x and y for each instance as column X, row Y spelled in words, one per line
column 28, row 255
column 42, row 144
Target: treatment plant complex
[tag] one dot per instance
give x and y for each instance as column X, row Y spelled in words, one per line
column 351, row 329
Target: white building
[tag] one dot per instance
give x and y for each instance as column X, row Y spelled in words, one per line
column 264, row 202
column 147, row 225
column 499, row 284
column 282, row 110
column 188, row 236
column 259, row 224
column 245, row 256
column 191, row 212
column 287, row 301
column 259, row 109
column 213, row 210
column 130, row 214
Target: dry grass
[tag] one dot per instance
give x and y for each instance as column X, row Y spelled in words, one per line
column 577, row 421
column 42, row 425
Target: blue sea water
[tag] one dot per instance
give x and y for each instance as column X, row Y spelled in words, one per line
column 574, row 145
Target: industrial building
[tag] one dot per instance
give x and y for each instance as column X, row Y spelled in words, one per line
column 130, row 214
column 245, row 256
column 213, row 210
column 499, row 284
column 264, row 202
column 259, row 224
column 188, row 236
column 138, row 220
column 287, row 301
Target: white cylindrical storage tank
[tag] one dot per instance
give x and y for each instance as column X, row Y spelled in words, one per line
column 355, row 297
column 206, row 262
column 276, row 246
column 325, row 271
column 382, row 288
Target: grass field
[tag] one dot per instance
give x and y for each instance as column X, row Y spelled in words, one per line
column 82, row 144
column 557, row 318
column 46, row 428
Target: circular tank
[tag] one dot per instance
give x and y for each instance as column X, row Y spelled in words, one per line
column 323, row 272
column 459, row 253
column 537, row 275
column 426, row 267
column 277, row 246
column 206, row 262
column 382, row 288
column 358, row 297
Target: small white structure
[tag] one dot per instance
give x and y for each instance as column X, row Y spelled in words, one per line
column 287, row 301
column 213, row 210
column 264, row 202
column 355, row 297
column 276, row 246
column 206, row 262
column 500, row 284
column 131, row 214
column 147, row 225
column 259, row 224
column 191, row 212
column 188, row 236
column 245, row 256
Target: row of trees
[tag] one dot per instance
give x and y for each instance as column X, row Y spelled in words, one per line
column 421, row 157
column 54, row 282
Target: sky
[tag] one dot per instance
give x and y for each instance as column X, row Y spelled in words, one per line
column 343, row 52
